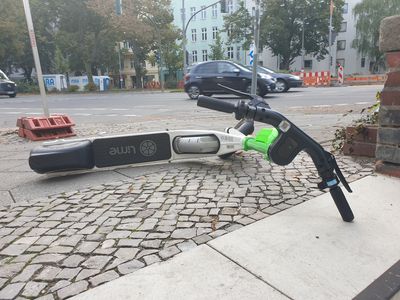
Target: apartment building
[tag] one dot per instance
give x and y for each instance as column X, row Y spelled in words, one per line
column 202, row 29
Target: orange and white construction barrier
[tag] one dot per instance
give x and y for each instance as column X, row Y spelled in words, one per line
column 322, row 78
column 340, row 75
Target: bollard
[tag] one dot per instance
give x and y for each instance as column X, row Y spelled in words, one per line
column 388, row 141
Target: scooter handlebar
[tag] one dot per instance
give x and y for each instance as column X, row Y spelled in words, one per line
column 215, row 104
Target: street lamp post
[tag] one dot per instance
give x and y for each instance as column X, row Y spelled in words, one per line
column 302, row 46
column 36, row 56
column 119, row 65
column 255, row 52
column 184, row 36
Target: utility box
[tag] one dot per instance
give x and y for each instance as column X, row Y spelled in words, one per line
column 102, row 82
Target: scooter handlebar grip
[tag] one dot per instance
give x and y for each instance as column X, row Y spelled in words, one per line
column 342, row 204
column 215, row 104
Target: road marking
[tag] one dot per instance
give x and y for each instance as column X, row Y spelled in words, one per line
column 111, row 115
column 13, row 113
column 119, row 109
column 342, row 104
column 81, row 114
column 294, row 107
column 129, row 115
column 362, row 103
column 321, row 105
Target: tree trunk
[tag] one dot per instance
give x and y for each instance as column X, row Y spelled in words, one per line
column 89, row 73
column 285, row 63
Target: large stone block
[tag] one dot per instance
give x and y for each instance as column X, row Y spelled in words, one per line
column 388, row 153
column 389, row 116
column 389, row 38
column 390, row 96
column 393, row 80
column 389, row 136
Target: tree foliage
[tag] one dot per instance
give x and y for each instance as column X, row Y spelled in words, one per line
column 369, row 14
column 217, row 49
column 238, row 25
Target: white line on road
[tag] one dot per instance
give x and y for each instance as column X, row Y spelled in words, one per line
column 81, row 114
column 362, row 103
column 129, row 115
column 321, row 105
column 342, row 104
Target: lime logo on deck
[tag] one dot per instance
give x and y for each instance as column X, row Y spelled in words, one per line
column 122, row 150
column 148, row 148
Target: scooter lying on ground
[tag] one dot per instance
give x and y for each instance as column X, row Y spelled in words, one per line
column 279, row 144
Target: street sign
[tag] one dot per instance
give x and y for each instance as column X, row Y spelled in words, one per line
column 251, row 54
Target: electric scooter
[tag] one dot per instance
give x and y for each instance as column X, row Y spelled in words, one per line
column 279, row 144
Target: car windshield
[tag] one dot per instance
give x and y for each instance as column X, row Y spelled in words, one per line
column 265, row 70
column 3, row 76
column 242, row 67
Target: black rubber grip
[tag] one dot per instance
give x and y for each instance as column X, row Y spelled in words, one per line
column 215, row 104
column 342, row 204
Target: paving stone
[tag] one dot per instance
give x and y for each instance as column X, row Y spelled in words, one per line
column 118, row 234
column 46, row 240
column 151, row 244
column 69, row 240
column 129, row 242
column 158, row 235
column 187, row 245
column 59, row 285
column 86, row 273
column 11, row 291
column 130, row 266
column 96, row 262
column 58, row 249
column 73, row 261
column 10, row 270
column 73, row 289
column 186, row 233
column 87, row 247
column 46, row 297
column 48, row 273
column 48, row 258
column 126, row 253
column 49, row 224
column 2, row 282
column 14, row 250
column 202, row 239
column 29, row 240
column 68, row 273
column 168, row 252
column 107, row 244
column 27, row 273
column 33, row 289
column 104, row 277
column 23, row 258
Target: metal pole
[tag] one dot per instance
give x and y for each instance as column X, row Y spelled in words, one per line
column 256, row 45
column 184, row 37
column 36, row 57
column 161, row 61
column 302, row 47
column 119, row 64
column 330, row 38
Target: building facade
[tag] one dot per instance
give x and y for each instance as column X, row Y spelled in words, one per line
column 201, row 33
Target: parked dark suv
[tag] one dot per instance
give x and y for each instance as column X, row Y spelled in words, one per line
column 203, row 79
column 7, row 87
column 283, row 81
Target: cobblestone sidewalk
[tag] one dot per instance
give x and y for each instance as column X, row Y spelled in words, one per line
column 60, row 246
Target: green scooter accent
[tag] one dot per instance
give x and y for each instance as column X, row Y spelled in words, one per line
column 261, row 143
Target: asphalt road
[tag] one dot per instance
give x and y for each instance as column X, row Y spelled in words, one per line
column 129, row 106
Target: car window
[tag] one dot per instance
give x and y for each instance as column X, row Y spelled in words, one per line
column 226, row 68
column 206, row 68
column 3, row 76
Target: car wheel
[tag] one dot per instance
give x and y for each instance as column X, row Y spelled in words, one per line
column 194, row 92
column 258, row 92
column 13, row 95
column 281, row 86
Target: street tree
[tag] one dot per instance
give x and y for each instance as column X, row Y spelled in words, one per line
column 282, row 24
column 239, row 26
column 368, row 15
column 217, row 49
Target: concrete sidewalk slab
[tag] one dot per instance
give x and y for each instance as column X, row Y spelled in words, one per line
column 307, row 252
column 198, row 274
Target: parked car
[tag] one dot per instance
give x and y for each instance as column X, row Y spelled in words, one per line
column 203, row 79
column 7, row 87
column 283, row 81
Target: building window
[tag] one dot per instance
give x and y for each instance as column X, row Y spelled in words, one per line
column 238, row 53
column 204, row 34
column 230, row 6
column 230, row 52
column 192, row 12
column 363, row 62
column 308, row 64
column 343, row 27
column 205, row 55
column 194, row 35
column 215, row 32
column 345, row 8
column 203, row 13
column 229, row 31
column 340, row 62
column 341, row 45
column 214, row 10
column 194, row 56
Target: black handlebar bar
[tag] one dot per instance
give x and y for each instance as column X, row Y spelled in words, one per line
column 290, row 142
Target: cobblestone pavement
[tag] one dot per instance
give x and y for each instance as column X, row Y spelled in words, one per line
column 62, row 245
